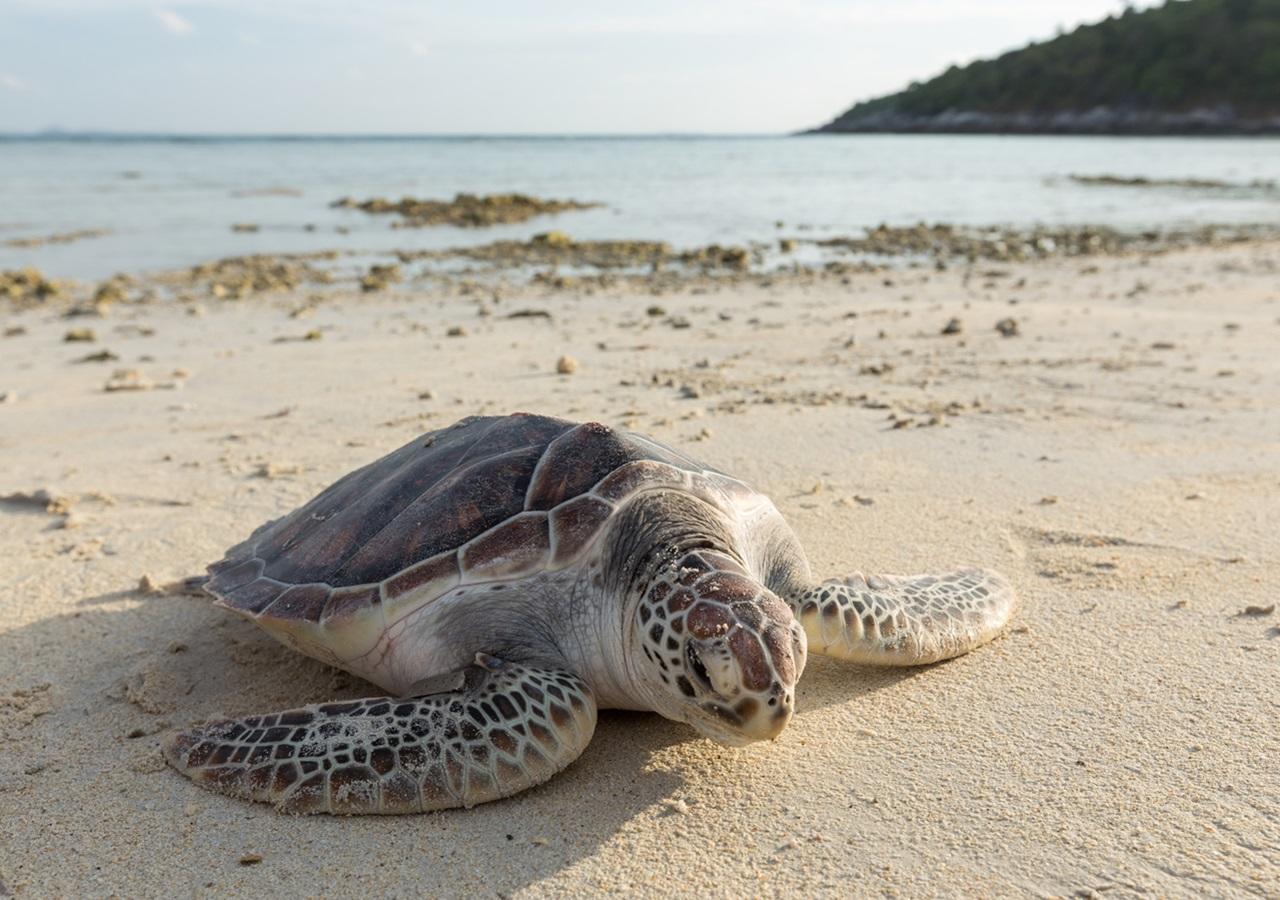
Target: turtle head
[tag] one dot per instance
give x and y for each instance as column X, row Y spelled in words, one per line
column 715, row 648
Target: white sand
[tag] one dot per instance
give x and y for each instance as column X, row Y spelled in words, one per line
column 1124, row 738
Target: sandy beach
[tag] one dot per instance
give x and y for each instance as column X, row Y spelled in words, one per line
column 1115, row 452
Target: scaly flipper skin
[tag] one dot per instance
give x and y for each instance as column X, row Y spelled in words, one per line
column 507, row 728
column 897, row 620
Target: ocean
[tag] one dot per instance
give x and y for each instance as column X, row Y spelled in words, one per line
column 171, row 202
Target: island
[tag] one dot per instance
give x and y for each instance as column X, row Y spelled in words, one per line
column 1186, row 67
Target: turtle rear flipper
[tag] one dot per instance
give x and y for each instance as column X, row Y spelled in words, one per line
column 901, row 620
column 507, row 728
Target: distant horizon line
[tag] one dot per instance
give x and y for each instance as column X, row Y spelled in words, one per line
column 94, row 134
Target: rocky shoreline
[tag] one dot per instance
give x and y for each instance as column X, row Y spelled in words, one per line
column 464, row 210
column 553, row 262
column 1098, row 121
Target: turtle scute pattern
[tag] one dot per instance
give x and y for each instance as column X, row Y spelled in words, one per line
column 507, row 728
column 484, row 499
column 905, row 620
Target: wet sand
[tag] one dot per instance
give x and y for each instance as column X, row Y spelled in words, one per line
column 1118, row 458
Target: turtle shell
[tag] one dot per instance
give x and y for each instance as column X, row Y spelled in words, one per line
column 487, row 499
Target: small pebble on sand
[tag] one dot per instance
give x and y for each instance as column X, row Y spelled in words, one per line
column 566, row 365
column 1007, row 327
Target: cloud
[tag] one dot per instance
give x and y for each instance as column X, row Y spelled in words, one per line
column 10, row 82
column 419, row 48
column 173, row 22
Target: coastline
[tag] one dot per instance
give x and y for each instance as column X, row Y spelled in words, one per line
column 1112, row 455
column 1102, row 122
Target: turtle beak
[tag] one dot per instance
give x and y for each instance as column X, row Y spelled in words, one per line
column 772, row 715
column 757, row 718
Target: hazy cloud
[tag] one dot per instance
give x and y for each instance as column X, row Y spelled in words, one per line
column 12, row 82
column 173, row 22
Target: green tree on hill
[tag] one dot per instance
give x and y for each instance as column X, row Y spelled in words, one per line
column 1185, row 55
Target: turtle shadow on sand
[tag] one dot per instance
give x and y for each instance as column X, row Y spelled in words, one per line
column 93, row 753
column 832, row 682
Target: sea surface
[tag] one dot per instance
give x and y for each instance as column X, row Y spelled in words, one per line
column 171, row 202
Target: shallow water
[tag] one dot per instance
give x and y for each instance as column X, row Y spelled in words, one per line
column 172, row 202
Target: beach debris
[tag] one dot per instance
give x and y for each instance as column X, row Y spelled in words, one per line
column 1007, row 327
column 109, row 293
column 552, row 239
column 379, row 276
column 714, row 256
column 456, row 331
column 124, row 380
column 787, row 245
column 8, row 397
column 315, row 334
column 656, row 311
column 99, row 357
column 566, row 365
column 1258, row 611
column 42, row 498
column 464, row 210
column 65, row 237
column 555, row 251
column 245, row 227
column 953, row 326
column 529, row 314
column 238, row 277
column 250, row 859
column 26, row 287
column 1001, row 244
column 79, row 335
column 1257, row 184
column 15, row 331
column 148, row 585
column 274, row 470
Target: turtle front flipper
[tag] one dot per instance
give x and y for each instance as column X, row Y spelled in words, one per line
column 507, row 728
column 899, row 620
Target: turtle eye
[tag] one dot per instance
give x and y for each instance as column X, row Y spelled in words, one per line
column 696, row 668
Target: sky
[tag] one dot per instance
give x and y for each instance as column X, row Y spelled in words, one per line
column 487, row 66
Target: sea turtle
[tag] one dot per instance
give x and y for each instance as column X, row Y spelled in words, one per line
column 504, row 578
